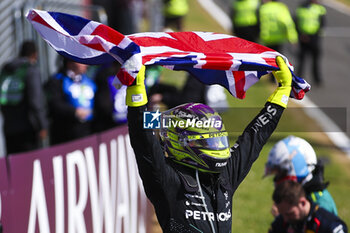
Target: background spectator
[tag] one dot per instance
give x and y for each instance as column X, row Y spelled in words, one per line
column 71, row 101
column 298, row 214
column 110, row 109
column 310, row 19
column 174, row 13
column 22, row 102
column 120, row 16
column 245, row 21
column 276, row 25
column 293, row 158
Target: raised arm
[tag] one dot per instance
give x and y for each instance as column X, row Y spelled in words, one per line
column 249, row 144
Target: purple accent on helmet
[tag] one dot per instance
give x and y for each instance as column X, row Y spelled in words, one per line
column 218, row 118
column 200, row 109
column 194, row 109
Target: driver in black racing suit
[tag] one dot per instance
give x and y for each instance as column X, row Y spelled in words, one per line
column 191, row 174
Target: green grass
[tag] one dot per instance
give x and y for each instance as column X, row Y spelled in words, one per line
column 347, row 2
column 252, row 200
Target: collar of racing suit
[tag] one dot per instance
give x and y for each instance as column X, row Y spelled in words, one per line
column 188, row 178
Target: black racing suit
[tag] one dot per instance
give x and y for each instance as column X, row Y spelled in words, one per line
column 319, row 220
column 173, row 189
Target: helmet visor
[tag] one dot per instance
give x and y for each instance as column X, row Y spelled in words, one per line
column 211, row 141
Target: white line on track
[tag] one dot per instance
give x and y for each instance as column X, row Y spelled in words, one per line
column 217, row 13
column 334, row 133
column 341, row 7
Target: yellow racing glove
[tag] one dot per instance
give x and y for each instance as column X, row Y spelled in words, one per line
column 136, row 93
column 284, row 77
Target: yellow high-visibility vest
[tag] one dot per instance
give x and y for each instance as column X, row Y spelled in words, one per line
column 309, row 18
column 175, row 8
column 276, row 24
column 245, row 13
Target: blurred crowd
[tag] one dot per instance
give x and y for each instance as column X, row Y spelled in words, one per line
column 270, row 22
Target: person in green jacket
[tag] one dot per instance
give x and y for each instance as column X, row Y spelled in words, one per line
column 174, row 13
column 276, row 25
column 310, row 19
column 244, row 15
column 293, row 158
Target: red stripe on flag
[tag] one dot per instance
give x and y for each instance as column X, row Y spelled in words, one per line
column 298, row 95
column 124, row 77
column 163, row 41
column 108, row 34
column 236, row 45
column 270, row 61
column 218, row 61
column 95, row 46
column 239, row 77
column 37, row 18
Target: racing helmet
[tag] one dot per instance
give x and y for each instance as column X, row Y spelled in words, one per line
column 194, row 135
column 291, row 158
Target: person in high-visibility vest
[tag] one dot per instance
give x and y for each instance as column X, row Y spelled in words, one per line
column 276, row 25
column 244, row 15
column 310, row 18
column 174, row 13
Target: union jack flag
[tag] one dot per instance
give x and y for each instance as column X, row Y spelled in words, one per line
column 212, row 58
